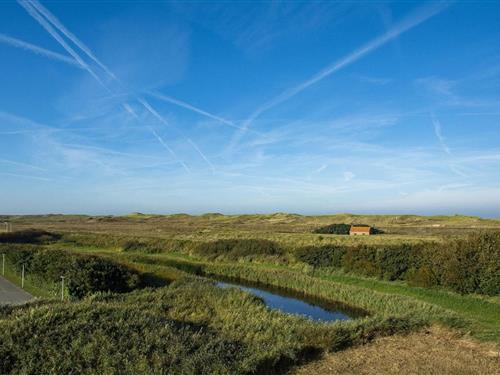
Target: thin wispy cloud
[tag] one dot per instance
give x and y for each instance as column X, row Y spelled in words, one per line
column 415, row 19
column 444, row 146
column 439, row 134
column 38, row 50
column 20, row 164
column 374, row 80
column 321, row 169
column 31, row 177
column 202, row 154
column 192, row 108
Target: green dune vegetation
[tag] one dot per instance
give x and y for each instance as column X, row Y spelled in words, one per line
column 140, row 295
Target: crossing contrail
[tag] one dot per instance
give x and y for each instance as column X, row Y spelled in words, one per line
column 68, row 34
column 38, row 50
column 416, row 18
column 47, row 26
column 38, row 12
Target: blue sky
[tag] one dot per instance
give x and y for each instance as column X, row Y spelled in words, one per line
column 307, row 107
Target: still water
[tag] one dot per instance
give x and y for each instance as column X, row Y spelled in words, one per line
column 290, row 303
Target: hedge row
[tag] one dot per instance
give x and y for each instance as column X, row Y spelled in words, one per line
column 334, row 229
column 342, row 229
column 33, row 236
column 469, row 265
column 85, row 274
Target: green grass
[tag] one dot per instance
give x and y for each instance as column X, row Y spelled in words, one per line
column 481, row 313
column 186, row 328
column 484, row 314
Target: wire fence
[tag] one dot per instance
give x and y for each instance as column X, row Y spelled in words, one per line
column 22, row 279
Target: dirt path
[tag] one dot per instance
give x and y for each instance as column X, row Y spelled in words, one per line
column 436, row 351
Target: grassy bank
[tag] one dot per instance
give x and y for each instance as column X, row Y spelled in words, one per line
column 188, row 327
column 476, row 315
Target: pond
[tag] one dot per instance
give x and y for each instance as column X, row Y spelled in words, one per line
column 296, row 303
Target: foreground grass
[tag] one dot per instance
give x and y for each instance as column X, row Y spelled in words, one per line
column 188, row 327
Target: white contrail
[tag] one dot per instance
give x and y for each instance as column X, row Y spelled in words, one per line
column 165, row 122
column 37, row 11
column 439, row 135
column 59, row 25
column 167, row 147
column 129, row 109
column 408, row 23
column 192, row 108
column 38, row 50
column 444, row 146
column 202, row 154
column 17, row 163
column 55, row 21
column 25, row 176
column 33, row 13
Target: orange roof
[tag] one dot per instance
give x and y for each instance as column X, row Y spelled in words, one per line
column 360, row 229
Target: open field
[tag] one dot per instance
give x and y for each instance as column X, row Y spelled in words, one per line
column 155, row 251
column 279, row 225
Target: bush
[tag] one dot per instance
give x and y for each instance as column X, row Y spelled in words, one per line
column 33, row 236
column 93, row 274
column 343, row 229
column 85, row 274
column 393, row 262
column 323, row 256
column 334, row 229
column 467, row 265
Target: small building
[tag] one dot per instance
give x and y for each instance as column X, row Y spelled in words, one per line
column 360, row 230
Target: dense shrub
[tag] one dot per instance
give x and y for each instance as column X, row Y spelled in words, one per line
column 394, row 261
column 334, row 229
column 361, row 260
column 343, row 229
column 467, row 265
column 237, row 248
column 85, row 274
column 33, row 236
column 321, row 256
column 94, row 274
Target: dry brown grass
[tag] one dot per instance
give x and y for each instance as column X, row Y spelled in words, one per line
column 436, row 351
